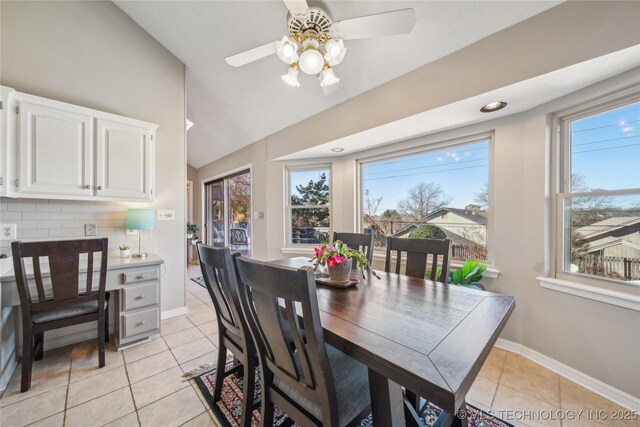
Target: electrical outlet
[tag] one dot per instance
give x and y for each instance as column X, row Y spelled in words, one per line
column 90, row 230
column 166, row 215
column 8, row 231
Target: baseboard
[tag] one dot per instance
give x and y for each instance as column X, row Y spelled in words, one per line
column 175, row 312
column 7, row 371
column 617, row 396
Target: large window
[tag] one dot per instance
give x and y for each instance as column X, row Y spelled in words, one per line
column 599, row 192
column 308, row 203
column 438, row 193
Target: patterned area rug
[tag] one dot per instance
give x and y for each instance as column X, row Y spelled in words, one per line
column 228, row 409
column 200, row 281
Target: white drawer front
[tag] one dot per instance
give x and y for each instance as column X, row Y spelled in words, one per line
column 140, row 276
column 141, row 322
column 138, row 296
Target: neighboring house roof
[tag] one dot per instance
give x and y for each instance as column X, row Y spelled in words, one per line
column 607, row 242
column 607, row 225
column 479, row 217
column 456, row 239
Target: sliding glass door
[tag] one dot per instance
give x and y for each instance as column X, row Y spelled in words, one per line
column 228, row 212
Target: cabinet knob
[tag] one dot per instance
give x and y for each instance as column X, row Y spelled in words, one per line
column 142, row 276
column 141, row 323
column 86, row 187
column 99, row 187
column 140, row 296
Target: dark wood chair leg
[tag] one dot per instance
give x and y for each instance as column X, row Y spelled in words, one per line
column 39, row 345
column 267, row 411
column 248, row 392
column 220, row 373
column 106, row 318
column 101, row 341
column 27, row 358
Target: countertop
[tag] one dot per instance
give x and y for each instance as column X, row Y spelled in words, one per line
column 113, row 263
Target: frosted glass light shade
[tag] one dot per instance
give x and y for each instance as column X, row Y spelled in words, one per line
column 329, row 78
column 291, row 78
column 140, row 219
column 287, row 50
column 311, row 61
column 335, row 52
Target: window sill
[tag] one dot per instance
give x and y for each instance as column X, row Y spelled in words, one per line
column 608, row 296
column 491, row 273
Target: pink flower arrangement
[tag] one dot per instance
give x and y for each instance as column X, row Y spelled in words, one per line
column 337, row 253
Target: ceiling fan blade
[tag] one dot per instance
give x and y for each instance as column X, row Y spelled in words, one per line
column 243, row 58
column 383, row 24
column 297, row 7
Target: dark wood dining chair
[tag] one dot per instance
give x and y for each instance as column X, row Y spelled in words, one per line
column 418, row 252
column 313, row 383
column 358, row 241
column 220, row 277
column 64, row 302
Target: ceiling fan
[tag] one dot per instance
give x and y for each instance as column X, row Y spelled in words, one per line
column 315, row 42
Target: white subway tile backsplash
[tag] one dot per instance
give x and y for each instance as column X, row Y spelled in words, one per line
column 61, row 215
column 48, row 224
column 61, row 232
column 84, row 215
column 21, row 207
column 32, row 234
column 10, row 216
column 49, row 207
column 35, row 216
column 25, row 225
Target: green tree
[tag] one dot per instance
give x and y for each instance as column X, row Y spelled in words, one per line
column 427, row 232
column 314, row 193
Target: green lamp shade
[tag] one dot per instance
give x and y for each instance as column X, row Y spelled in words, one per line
column 140, row 219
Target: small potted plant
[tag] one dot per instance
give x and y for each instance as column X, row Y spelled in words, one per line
column 338, row 258
column 192, row 229
column 125, row 251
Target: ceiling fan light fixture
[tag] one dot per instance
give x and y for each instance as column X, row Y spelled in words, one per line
column 311, row 61
column 335, row 52
column 291, row 78
column 287, row 50
column 329, row 77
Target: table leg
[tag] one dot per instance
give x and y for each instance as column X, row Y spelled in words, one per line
column 387, row 405
column 460, row 422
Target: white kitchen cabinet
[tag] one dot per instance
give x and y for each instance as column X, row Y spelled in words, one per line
column 55, row 150
column 5, row 93
column 123, row 160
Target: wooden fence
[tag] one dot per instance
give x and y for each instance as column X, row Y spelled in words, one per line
column 609, row 266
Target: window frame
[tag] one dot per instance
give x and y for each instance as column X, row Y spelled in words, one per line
column 488, row 136
column 289, row 207
column 561, row 181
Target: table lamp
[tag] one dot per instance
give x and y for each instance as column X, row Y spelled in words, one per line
column 139, row 219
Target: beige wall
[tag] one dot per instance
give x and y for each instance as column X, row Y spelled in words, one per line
column 598, row 339
column 92, row 54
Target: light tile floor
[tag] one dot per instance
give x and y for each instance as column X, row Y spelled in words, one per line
column 143, row 386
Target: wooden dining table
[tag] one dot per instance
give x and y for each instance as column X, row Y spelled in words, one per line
column 428, row 337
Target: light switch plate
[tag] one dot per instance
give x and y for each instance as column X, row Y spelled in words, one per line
column 166, row 215
column 90, row 230
column 8, row 231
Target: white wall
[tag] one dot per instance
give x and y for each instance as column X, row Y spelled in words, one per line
column 92, row 54
column 598, row 339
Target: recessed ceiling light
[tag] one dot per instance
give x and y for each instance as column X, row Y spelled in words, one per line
column 493, row 106
column 337, row 149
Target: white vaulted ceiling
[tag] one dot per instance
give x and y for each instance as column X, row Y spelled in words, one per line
column 233, row 107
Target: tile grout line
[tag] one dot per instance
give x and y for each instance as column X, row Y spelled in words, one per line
column 66, row 397
column 133, row 398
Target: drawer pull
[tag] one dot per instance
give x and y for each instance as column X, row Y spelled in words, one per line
column 140, row 277
column 142, row 323
column 140, row 296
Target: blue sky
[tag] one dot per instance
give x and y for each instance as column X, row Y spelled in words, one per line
column 606, row 149
column 461, row 171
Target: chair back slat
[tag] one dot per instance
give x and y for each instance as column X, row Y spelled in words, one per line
column 273, row 299
column 219, row 274
column 89, row 273
column 418, row 252
column 64, row 270
column 359, row 241
column 37, row 276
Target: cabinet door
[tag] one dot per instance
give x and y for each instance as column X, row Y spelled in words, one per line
column 4, row 138
column 55, row 151
column 124, row 160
